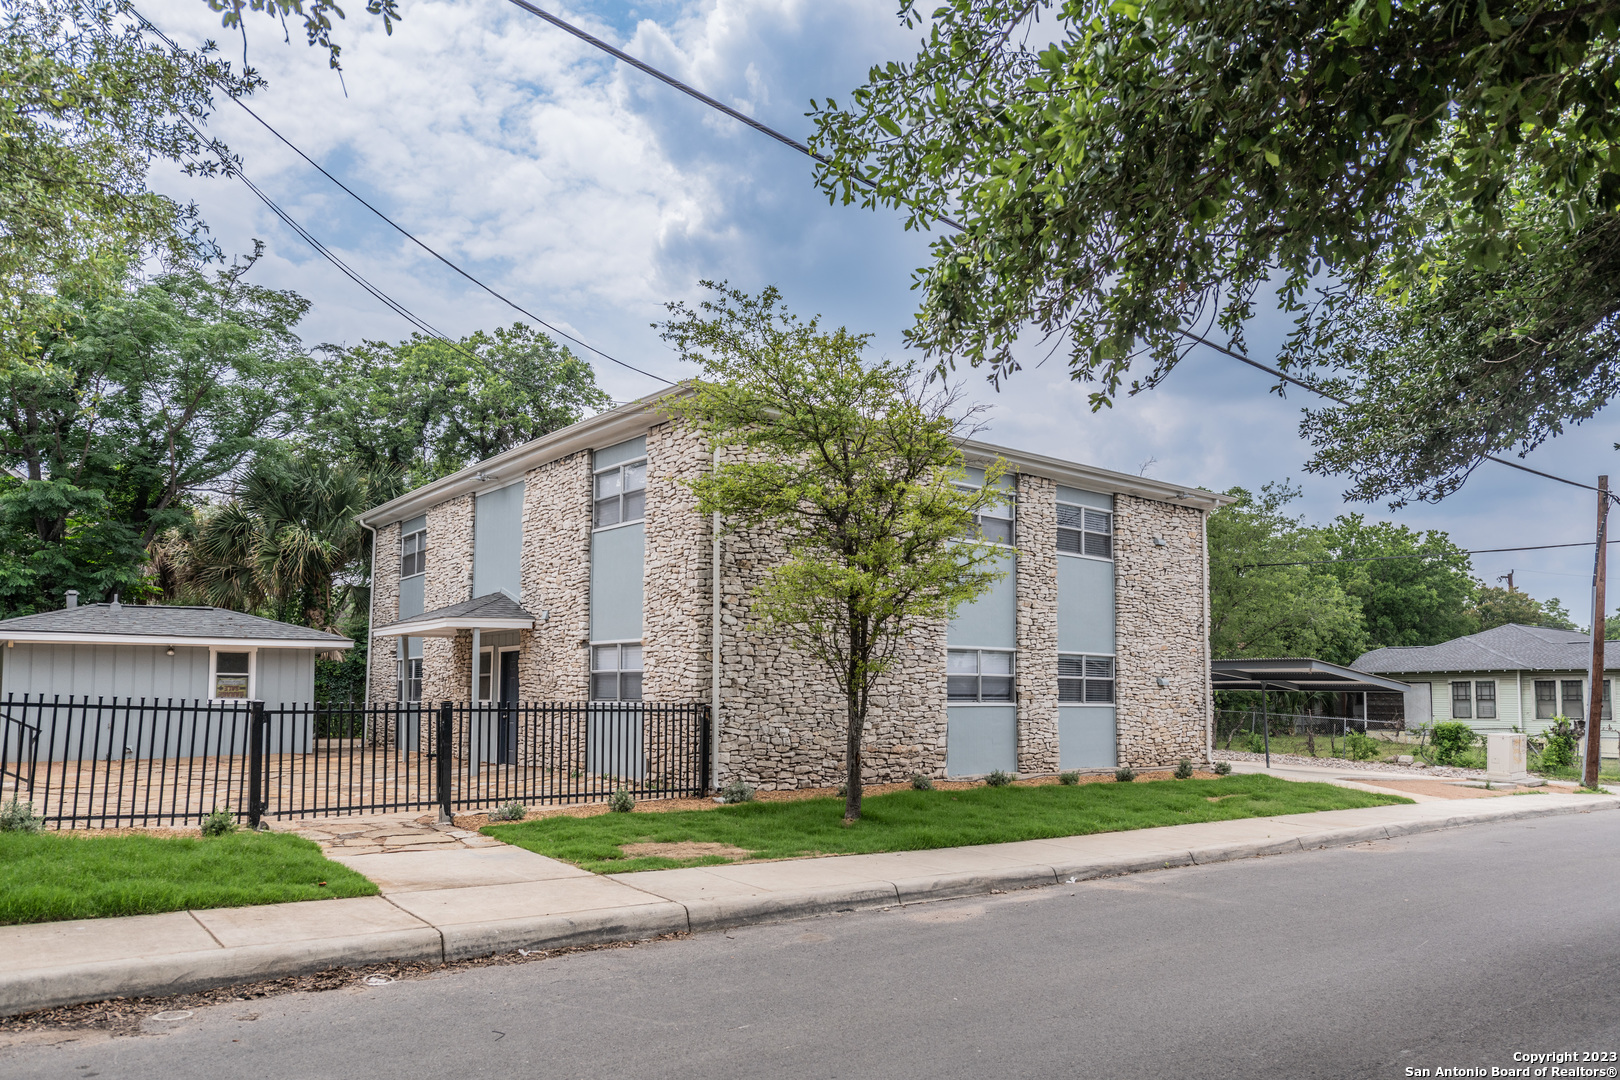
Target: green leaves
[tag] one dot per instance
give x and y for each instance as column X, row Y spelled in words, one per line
column 1173, row 155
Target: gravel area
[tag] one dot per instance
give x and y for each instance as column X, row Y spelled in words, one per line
column 1361, row 766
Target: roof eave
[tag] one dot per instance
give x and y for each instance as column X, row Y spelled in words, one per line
column 82, row 637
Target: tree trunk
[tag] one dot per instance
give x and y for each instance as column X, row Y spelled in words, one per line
column 852, row 757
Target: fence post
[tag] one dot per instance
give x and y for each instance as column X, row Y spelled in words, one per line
column 257, row 722
column 707, row 761
column 442, row 743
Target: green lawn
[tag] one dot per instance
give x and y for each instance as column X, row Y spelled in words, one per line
column 913, row 820
column 49, row 876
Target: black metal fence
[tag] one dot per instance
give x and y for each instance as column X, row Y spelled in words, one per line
column 88, row 762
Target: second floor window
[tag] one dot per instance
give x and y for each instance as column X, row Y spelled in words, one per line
column 1084, row 531
column 621, row 493
column 1085, row 680
column 413, row 554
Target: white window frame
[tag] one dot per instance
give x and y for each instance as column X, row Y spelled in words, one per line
column 978, row 700
column 593, row 670
column 619, row 468
column 1112, row 680
column 1479, row 702
column 420, row 553
column 253, row 671
column 405, row 680
column 1084, row 532
column 1467, row 700
column 1009, row 501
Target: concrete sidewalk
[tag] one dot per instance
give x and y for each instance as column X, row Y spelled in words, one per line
column 455, row 902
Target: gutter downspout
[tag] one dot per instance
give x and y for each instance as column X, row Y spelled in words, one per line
column 1209, row 663
column 371, row 608
column 714, row 652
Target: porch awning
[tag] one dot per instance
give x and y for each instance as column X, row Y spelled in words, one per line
column 1297, row 673
column 496, row 611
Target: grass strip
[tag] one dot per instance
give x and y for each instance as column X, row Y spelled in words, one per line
column 917, row 820
column 49, row 876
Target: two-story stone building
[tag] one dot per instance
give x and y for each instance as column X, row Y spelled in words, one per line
column 576, row 567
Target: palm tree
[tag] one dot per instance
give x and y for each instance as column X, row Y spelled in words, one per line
column 288, row 546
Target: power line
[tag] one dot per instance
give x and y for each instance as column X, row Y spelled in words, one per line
column 395, row 225
column 1425, row 555
column 787, row 140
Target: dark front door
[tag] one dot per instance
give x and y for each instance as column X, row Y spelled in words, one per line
column 506, row 731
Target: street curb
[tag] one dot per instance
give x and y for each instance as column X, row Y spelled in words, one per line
column 29, row 991
column 468, row 941
column 723, row 913
column 184, row 973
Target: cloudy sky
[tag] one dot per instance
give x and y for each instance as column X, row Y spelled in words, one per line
column 592, row 195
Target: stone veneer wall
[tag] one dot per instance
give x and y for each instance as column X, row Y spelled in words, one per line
column 782, row 719
column 678, row 571
column 1161, row 630
column 1036, row 538
column 555, row 577
column 446, row 675
column 384, row 658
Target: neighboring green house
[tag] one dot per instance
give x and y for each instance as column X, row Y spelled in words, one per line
column 1506, row 678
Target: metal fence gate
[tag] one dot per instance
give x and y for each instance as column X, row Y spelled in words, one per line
column 85, row 762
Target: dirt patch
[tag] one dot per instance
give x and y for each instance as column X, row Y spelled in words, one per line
column 1440, row 788
column 1220, row 798
column 683, row 849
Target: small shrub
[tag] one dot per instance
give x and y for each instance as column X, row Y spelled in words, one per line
column 219, row 823
column 512, row 811
column 737, row 792
column 843, row 789
column 1223, row 768
column 1254, row 743
column 1184, row 769
column 1361, row 746
column 622, row 803
column 1558, row 745
column 1451, row 740
column 18, row 816
column 999, row 779
column 1068, row 779
column 1124, row 774
column 919, row 782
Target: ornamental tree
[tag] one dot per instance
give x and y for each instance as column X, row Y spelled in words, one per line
column 855, row 465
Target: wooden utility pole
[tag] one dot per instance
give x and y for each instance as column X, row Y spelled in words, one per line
column 1594, row 708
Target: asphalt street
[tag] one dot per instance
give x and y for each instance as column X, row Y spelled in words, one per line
column 1445, row 950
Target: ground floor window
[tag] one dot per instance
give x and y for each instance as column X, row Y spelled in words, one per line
column 1462, row 707
column 1574, row 706
column 1546, row 699
column 1607, row 708
column 1485, row 699
column 616, row 671
column 1085, row 680
column 984, row 675
column 410, row 679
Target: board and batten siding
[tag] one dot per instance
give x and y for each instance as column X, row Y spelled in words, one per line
column 146, row 673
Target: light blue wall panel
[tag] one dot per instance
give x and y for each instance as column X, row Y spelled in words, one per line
column 991, row 621
column 416, row 524
column 625, row 451
column 411, row 594
column 981, row 739
column 616, row 570
column 286, row 676
column 1085, row 609
column 1084, row 498
column 1086, row 738
column 122, row 671
column 498, row 541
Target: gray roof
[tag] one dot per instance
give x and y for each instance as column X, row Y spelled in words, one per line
column 495, row 605
column 166, row 622
column 1511, row 647
column 1296, row 673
